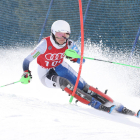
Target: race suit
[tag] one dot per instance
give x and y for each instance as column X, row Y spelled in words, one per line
column 54, row 72
column 50, row 56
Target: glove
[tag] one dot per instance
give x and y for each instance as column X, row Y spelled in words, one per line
column 72, row 59
column 26, row 77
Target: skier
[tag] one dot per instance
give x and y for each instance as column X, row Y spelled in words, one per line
column 54, row 72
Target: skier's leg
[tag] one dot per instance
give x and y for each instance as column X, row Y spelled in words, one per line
column 66, row 71
column 107, row 101
column 124, row 110
column 81, row 95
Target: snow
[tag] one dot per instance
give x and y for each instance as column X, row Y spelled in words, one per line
column 34, row 112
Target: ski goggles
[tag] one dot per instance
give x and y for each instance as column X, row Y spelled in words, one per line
column 61, row 35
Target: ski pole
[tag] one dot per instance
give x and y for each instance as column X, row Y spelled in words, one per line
column 73, row 54
column 10, row 84
column 23, row 80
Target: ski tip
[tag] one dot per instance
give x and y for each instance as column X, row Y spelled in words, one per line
column 112, row 108
column 138, row 114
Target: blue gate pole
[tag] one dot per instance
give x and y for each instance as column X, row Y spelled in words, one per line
column 45, row 21
column 85, row 16
column 134, row 45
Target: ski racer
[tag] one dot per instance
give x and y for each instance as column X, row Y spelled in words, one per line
column 54, row 72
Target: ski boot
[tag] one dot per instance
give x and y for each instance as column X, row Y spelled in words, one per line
column 124, row 110
column 98, row 105
column 107, row 109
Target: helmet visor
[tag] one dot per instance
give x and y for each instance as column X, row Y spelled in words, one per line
column 61, row 35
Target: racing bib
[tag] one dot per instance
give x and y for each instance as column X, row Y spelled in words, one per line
column 52, row 56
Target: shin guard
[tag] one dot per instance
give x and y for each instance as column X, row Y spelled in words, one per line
column 68, row 87
column 98, row 95
column 79, row 95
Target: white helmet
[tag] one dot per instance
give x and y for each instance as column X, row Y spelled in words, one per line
column 60, row 26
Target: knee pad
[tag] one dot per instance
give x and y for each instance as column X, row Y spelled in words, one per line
column 51, row 73
column 63, row 82
column 47, row 79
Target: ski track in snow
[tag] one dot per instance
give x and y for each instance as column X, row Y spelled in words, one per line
column 34, row 112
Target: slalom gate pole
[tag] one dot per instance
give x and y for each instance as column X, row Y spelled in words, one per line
column 82, row 50
column 134, row 45
column 73, row 54
column 10, row 84
column 85, row 16
column 51, row 2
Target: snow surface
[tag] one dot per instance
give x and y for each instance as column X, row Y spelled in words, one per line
column 34, row 112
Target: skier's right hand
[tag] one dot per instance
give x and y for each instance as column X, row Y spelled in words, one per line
column 72, row 59
column 26, row 77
